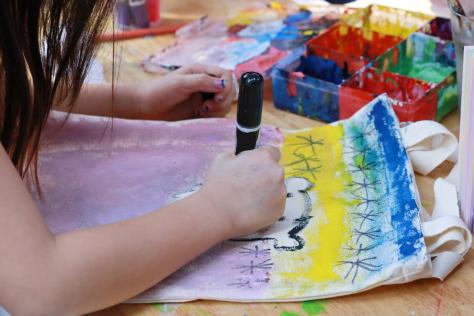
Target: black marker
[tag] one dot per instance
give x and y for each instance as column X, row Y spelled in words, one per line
column 249, row 113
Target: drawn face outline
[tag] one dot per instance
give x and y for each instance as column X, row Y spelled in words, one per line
column 285, row 232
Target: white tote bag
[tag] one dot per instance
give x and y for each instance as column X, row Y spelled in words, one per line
column 353, row 218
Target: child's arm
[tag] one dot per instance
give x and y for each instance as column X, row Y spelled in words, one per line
column 175, row 96
column 90, row 269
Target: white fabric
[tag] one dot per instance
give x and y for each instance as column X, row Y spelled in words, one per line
column 454, row 176
column 3, row 312
column 446, row 236
column 429, row 144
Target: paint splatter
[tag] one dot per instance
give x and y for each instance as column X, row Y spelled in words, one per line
column 310, row 308
column 313, row 308
column 165, row 308
column 439, row 301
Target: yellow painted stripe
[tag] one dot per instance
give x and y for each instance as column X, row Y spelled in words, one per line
column 328, row 230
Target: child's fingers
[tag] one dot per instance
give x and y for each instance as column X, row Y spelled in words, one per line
column 227, row 104
column 217, row 108
column 206, row 109
column 215, row 71
column 211, row 70
column 202, row 83
column 222, row 102
column 272, row 151
column 210, row 109
column 224, row 156
column 228, row 91
column 196, row 105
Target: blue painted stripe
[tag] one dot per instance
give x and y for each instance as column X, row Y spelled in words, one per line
column 404, row 209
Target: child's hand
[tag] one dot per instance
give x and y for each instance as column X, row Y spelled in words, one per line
column 247, row 191
column 179, row 95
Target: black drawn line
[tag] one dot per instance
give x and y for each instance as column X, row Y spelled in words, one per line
column 252, row 266
column 372, row 233
column 308, row 142
column 303, row 159
column 254, row 251
column 298, row 224
column 241, row 283
column 304, row 165
column 363, row 167
column 361, row 248
column 362, row 133
column 364, row 185
column 357, row 264
column 266, row 280
column 367, row 217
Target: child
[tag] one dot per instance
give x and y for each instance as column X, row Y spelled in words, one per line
column 45, row 50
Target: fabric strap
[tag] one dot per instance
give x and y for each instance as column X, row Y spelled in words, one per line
column 447, row 237
column 429, row 144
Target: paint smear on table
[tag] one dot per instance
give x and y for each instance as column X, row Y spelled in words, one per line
column 313, row 308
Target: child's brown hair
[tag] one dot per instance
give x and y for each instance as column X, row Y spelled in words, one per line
column 45, row 51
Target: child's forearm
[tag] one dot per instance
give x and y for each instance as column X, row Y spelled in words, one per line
column 176, row 96
column 96, row 268
column 101, row 267
column 97, row 100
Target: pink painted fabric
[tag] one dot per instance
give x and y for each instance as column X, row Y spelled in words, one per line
column 95, row 171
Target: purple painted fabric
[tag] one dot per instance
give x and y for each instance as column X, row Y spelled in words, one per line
column 95, row 171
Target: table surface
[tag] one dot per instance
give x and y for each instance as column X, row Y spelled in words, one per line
column 423, row 297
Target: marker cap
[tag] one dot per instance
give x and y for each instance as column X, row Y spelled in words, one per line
column 249, row 113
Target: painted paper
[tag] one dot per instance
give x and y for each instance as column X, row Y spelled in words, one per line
column 351, row 221
column 223, row 52
column 256, row 38
column 263, row 62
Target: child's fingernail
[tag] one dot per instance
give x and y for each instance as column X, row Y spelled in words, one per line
column 220, row 99
column 220, row 83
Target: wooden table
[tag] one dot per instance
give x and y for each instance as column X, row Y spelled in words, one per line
column 424, row 297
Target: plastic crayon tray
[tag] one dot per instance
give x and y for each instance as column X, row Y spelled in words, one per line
column 372, row 51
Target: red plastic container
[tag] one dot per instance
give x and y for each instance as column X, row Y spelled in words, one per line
column 153, row 8
column 412, row 99
column 344, row 43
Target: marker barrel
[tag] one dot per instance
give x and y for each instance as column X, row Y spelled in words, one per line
column 249, row 112
column 246, row 141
